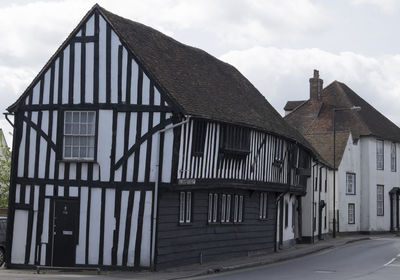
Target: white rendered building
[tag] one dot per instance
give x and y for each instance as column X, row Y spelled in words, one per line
column 366, row 155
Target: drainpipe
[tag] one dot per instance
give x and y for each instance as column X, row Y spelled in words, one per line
column 313, row 199
column 155, row 203
column 319, row 205
column 280, row 197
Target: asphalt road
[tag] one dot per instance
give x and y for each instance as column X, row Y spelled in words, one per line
column 377, row 259
column 372, row 259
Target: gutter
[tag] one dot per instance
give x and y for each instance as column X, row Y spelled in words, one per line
column 155, row 203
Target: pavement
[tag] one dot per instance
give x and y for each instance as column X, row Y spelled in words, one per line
column 189, row 271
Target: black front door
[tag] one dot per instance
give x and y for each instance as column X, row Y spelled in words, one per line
column 66, row 227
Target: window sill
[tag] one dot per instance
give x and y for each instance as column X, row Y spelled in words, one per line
column 224, row 223
column 351, row 194
column 77, row 160
column 185, row 224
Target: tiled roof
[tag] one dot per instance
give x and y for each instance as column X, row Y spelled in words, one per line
column 314, row 119
column 290, row 105
column 199, row 84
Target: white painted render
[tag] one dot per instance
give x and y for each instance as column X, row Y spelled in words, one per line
column 317, row 192
column 360, row 158
column 289, row 230
column 350, row 163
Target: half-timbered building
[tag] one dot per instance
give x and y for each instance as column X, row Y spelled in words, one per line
column 132, row 150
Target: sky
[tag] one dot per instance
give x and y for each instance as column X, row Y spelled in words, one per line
column 276, row 44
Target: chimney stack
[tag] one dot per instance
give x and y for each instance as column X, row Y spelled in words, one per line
column 315, row 86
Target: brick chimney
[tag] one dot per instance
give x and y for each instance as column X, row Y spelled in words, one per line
column 315, row 86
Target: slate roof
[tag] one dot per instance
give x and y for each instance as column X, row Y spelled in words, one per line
column 290, row 105
column 314, row 119
column 200, row 84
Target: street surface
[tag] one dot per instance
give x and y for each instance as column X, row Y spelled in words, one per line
column 376, row 259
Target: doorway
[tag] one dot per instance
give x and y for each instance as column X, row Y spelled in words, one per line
column 66, row 232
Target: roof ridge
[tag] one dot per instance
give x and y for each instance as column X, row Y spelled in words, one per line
column 356, row 114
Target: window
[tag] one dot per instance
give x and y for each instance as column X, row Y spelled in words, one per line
column 79, row 135
column 226, row 208
column 226, row 202
column 263, row 206
column 393, row 157
column 379, row 155
column 199, row 137
column 185, row 208
column 325, row 217
column 235, row 140
column 278, row 152
column 212, row 207
column 238, row 209
column 380, row 200
column 351, row 213
column 350, row 183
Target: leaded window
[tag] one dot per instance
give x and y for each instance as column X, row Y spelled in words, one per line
column 351, row 213
column 199, row 137
column 235, row 140
column 379, row 155
column 350, row 183
column 380, row 200
column 393, row 158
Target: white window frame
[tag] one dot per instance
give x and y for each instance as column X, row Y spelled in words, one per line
column 78, row 135
column 380, row 154
column 380, row 200
column 238, row 209
column 212, row 207
column 351, row 213
column 350, row 183
column 393, row 157
column 185, row 208
column 263, row 206
column 226, row 201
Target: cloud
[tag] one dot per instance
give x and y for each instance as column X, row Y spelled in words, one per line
column 31, row 31
column 282, row 74
column 387, row 6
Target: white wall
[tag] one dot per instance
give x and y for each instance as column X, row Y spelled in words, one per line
column 288, row 232
column 360, row 158
column 350, row 163
column 374, row 177
column 309, row 210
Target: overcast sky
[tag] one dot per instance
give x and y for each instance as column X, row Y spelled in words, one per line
column 276, row 44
